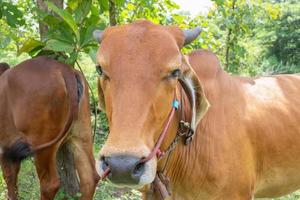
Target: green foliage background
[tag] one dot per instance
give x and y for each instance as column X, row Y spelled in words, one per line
column 250, row 37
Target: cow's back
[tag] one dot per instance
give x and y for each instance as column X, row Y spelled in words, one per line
column 273, row 122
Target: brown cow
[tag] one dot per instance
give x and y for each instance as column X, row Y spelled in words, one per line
column 246, row 145
column 44, row 104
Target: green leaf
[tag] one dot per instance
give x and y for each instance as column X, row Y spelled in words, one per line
column 82, row 11
column 120, row 3
column 93, row 19
column 86, row 35
column 13, row 15
column 61, row 31
column 42, row 52
column 92, row 54
column 57, row 45
column 30, row 45
column 73, row 4
column 104, row 5
column 67, row 17
column 35, row 52
column 72, row 59
column 51, row 21
column 4, row 41
column 11, row 20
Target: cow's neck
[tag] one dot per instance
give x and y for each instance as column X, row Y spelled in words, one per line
column 189, row 166
column 182, row 159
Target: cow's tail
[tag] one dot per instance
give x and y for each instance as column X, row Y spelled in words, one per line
column 18, row 151
column 71, row 79
column 22, row 149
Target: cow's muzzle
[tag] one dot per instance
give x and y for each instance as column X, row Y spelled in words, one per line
column 124, row 170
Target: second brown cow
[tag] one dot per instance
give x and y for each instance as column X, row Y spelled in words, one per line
column 44, row 104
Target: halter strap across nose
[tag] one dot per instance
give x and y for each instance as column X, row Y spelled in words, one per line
column 156, row 149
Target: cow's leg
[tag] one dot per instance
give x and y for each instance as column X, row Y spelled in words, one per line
column 10, row 173
column 82, row 144
column 85, row 165
column 45, row 161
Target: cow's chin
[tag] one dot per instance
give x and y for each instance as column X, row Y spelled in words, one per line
column 146, row 178
column 149, row 174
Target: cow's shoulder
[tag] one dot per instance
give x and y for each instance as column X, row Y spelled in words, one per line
column 205, row 63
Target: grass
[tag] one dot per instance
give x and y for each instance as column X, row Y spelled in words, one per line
column 28, row 181
column 29, row 187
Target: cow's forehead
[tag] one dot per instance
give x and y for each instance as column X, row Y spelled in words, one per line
column 139, row 43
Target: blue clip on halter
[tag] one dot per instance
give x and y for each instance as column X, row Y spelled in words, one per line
column 175, row 104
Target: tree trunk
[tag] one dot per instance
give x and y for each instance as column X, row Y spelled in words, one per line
column 112, row 13
column 228, row 40
column 228, row 43
column 67, row 173
column 42, row 27
column 41, row 4
column 65, row 159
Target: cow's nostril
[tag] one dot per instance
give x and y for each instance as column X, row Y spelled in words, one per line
column 104, row 160
column 105, row 164
column 138, row 170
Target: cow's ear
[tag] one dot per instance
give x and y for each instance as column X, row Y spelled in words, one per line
column 98, row 35
column 194, row 90
column 101, row 97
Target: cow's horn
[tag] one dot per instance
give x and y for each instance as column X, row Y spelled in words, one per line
column 191, row 34
column 98, row 35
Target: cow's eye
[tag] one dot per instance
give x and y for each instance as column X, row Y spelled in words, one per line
column 99, row 70
column 175, row 73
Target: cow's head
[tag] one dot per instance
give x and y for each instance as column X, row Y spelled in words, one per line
column 140, row 65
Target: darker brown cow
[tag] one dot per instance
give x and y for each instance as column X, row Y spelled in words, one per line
column 246, row 143
column 44, row 104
